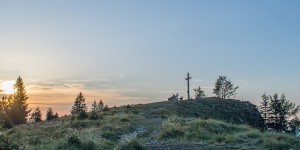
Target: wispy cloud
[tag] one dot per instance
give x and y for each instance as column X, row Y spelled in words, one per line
column 73, row 85
column 121, row 75
column 87, row 80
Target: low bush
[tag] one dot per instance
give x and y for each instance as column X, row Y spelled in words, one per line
column 133, row 144
column 161, row 112
column 6, row 143
column 110, row 135
column 78, row 124
column 171, row 129
column 74, row 140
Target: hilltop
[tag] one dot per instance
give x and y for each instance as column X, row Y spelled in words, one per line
column 208, row 123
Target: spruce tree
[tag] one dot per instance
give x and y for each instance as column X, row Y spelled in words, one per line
column 19, row 108
column 94, row 115
column 79, row 108
column 36, row 116
column 217, row 89
column 199, row 93
column 94, row 106
column 56, row 115
column 264, row 107
column 100, row 106
column 281, row 109
column 50, row 114
column 5, row 121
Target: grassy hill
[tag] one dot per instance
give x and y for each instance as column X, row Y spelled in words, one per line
column 208, row 123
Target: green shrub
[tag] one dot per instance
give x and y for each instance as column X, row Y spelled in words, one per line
column 161, row 112
column 279, row 141
column 73, row 143
column 216, row 127
column 34, row 141
column 89, row 145
column 78, row 124
column 106, row 144
column 7, row 143
column 110, row 135
column 74, row 140
column 93, row 115
column 82, row 115
column 133, row 144
column 171, row 129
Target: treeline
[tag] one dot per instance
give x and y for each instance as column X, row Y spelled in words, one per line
column 36, row 116
column 14, row 108
column 279, row 114
column 80, row 111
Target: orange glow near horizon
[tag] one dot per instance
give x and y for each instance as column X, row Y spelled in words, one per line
column 61, row 98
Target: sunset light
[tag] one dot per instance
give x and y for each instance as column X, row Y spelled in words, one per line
column 7, row 87
column 149, row 75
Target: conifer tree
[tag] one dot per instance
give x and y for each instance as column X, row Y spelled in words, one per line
column 94, row 106
column 280, row 110
column 5, row 121
column 199, row 93
column 264, row 107
column 50, row 114
column 79, row 108
column 94, row 109
column 56, row 115
column 105, row 108
column 100, row 106
column 36, row 116
column 19, row 108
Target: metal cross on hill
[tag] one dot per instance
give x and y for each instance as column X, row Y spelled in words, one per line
column 188, row 84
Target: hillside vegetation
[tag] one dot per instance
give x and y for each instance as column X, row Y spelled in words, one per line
column 208, row 123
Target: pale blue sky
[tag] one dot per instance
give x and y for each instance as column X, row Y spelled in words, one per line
column 142, row 50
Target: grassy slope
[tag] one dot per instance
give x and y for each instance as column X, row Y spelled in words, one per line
column 174, row 125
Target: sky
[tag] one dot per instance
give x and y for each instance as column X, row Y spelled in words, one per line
column 130, row 52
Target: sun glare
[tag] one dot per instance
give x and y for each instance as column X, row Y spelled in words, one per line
column 7, row 87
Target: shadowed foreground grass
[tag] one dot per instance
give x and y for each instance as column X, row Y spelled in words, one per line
column 211, row 131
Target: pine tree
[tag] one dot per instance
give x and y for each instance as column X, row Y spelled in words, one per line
column 5, row 121
column 217, row 89
column 94, row 106
column 79, row 108
column 281, row 109
column 100, row 106
column 94, row 109
column 199, row 93
column 264, row 107
column 56, row 115
column 105, row 108
column 50, row 114
column 36, row 116
column 224, row 88
column 19, row 108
